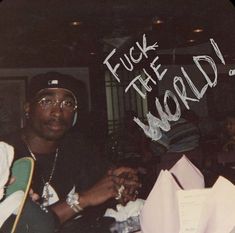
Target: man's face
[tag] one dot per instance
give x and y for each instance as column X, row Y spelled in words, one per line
column 51, row 113
column 230, row 126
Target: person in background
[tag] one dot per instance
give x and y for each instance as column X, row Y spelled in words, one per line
column 225, row 154
column 228, row 141
column 184, row 134
column 129, row 146
column 182, row 138
column 69, row 179
column 128, row 143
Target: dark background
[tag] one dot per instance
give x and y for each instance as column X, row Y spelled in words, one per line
column 37, row 35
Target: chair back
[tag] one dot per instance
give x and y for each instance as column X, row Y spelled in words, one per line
column 22, row 170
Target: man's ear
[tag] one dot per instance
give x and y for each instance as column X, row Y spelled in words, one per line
column 75, row 118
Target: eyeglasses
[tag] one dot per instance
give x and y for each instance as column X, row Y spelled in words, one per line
column 66, row 105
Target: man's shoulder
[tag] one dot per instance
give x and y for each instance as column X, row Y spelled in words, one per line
column 12, row 138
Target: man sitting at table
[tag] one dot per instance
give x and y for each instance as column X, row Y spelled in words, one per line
column 69, row 177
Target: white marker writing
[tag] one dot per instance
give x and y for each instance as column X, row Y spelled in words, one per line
column 153, row 129
column 112, row 70
column 144, row 49
column 231, row 72
column 143, row 82
column 155, row 69
column 182, row 92
column 217, row 51
column 155, row 124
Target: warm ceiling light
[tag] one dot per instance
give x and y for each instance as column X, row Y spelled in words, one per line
column 198, row 30
column 158, row 21
column 76, row 23
column 191, row 40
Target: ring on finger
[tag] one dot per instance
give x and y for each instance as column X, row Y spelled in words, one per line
column 120, row 191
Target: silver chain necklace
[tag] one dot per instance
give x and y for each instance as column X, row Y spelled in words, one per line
column 46, row 192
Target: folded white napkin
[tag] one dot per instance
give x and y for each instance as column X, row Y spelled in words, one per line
column 191, row 203
column 6, row 158
column 187, row 174
column 218, row 214
column 160, row 212
column 209, row 210
column 233, row 231
column 131, row 209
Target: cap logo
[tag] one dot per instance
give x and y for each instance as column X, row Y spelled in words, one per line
column 53, row 82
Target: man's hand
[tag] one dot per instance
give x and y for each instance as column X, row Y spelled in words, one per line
column 128, row 181
column 121, row 183
column 34, row 196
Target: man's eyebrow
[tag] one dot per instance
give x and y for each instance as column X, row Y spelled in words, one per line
column 51, row 94
column 43, row 94
column 68, row 95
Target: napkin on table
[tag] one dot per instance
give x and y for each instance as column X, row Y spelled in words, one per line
column 160, row 211
column 187, row 174
column 218, row 214
column 6, row 158
column 131, row 209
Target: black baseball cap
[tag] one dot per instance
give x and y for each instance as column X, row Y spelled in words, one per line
column 52, row 80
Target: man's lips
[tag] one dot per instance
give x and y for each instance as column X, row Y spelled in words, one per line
column 55, row 125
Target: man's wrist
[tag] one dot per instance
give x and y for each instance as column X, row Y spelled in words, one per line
column 73, row 200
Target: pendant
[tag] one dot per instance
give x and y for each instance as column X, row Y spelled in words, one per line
column 46, row 197
column 49, row 196
column 46, row 194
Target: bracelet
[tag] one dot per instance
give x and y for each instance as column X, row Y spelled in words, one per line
column 73, row 201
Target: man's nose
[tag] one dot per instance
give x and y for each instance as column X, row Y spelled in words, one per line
column 57, row 108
